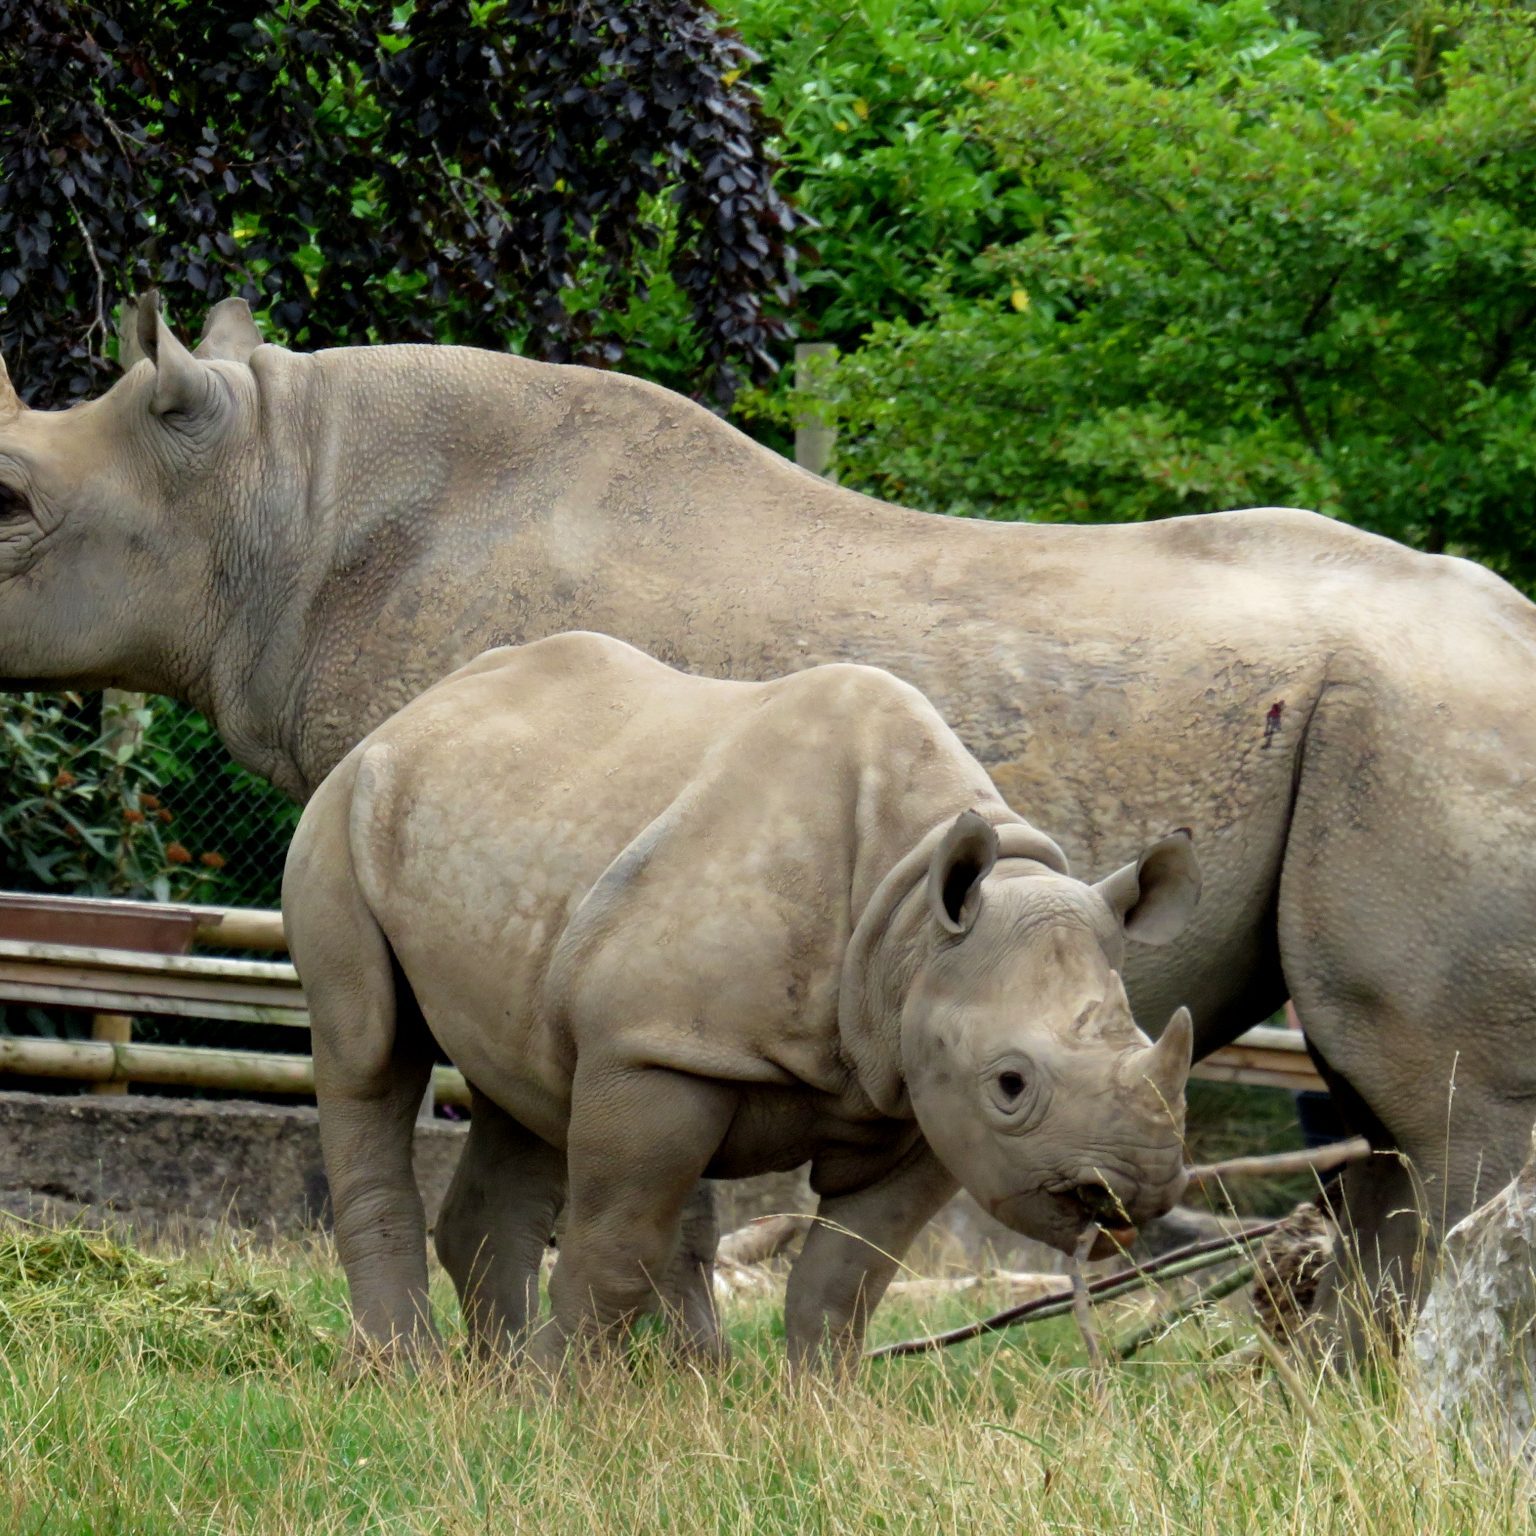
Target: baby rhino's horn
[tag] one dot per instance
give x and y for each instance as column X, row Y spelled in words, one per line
column 1166, row 1064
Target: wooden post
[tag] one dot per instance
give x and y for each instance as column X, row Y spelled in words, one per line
column 814, row 438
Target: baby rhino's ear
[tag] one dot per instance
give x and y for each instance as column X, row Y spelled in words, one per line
column 963, row 859
column 1155, row 897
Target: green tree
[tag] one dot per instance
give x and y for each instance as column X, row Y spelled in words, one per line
column 1285, row 277
column 880, row 144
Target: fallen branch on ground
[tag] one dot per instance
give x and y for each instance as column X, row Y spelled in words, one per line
column 1181, row 1261
column 1159, row 1325
column 760, row 1240
column 1031, row 1284
column 1313, row 1160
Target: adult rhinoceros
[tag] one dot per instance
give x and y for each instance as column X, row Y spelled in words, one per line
column 298, row 544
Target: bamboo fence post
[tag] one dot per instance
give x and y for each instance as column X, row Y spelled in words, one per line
column 111, row 1029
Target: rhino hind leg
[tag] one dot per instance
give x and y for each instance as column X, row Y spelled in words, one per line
column 1404, row 945
column 373, row 1059
column 851, row 1253
column 495, row 1224
column 1367, row 1295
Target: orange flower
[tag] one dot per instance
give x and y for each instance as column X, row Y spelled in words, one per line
column 163, row 817
column 133, row 817
column 176, row 854
column 64, row 779
column 212, row 860
column 150, row 802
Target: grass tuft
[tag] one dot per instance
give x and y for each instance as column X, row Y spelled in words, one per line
column 197, row 1392
column 88, row 1296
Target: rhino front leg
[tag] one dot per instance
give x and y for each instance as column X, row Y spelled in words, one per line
column 639, row 1141
column 850, row 1256
column 495, row 1224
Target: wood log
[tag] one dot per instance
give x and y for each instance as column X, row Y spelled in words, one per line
column 68, row 919
column 101, row 1061
column 128, row 981
column 241, row 928
column 1274, row 1164
column 760, row 1240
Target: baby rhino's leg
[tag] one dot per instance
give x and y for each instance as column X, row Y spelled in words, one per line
column 495, row 1224
column 850, row 1255
column 373, row 1057
column 640, row 1139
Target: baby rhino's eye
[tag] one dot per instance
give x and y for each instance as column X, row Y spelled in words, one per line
column 1011, row 1084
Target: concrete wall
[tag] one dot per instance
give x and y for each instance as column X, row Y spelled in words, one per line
column 157, row 1164
column 180, row 1166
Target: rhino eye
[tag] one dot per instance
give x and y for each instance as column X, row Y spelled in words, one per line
column 1011, row 1085
column 13, row 504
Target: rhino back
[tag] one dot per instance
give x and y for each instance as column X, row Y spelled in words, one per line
column 569, row 843
column 1116, row 681
column 717, row 937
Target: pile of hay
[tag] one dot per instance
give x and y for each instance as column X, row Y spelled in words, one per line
column 95, row 1298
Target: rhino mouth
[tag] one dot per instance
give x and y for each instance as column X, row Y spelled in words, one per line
column 1060, row 1217
column 1111, row 1242
column 1099, row 1209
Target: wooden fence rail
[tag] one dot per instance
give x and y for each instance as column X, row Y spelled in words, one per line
column 100, row 957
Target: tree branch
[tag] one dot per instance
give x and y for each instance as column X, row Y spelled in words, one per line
column 1502, row 350
column 1298, row 406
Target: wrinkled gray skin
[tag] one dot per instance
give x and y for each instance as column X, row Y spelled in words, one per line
column 300, row 544
column 670, row 926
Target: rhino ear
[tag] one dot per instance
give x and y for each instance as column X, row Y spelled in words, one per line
column 129, row 351
column 1155, row 897
column 10, row 401
column 229, row 333
column 183, row 386
column 963, row 859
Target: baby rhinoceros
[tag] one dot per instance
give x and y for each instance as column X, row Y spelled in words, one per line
column 670, row 927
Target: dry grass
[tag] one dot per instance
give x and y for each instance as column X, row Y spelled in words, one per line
column 198, row 1394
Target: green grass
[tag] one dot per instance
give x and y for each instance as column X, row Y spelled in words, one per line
column 199, row 1394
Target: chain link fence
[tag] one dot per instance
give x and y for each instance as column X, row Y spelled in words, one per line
column 234, row 826
column 131, row 795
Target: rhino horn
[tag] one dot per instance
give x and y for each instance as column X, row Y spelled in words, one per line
column 10, row 402
column 181, row 381
column 229, row 333
column 1166, row 1064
